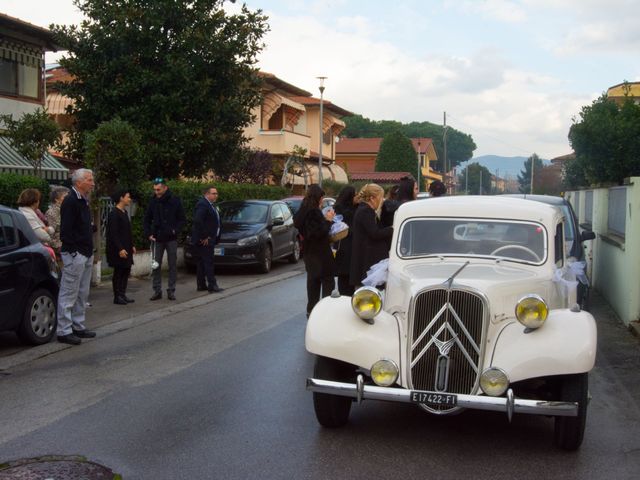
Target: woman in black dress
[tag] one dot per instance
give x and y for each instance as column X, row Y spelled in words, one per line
column 370, row 239
column 120, row 247
column 318, row 257
column 345, row 206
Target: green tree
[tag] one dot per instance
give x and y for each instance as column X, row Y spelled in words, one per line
column 471, row 178
column 115, row 154
column 573, row 174
column 32, row 136
column 397, row 154
column 460, row 146
column 182, row 72
column 524, row 178
column 606, row 140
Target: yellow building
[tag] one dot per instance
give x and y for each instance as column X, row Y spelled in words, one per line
column 626, row 89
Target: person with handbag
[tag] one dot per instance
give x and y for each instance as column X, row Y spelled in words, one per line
column 120, row 247
column 204, row 236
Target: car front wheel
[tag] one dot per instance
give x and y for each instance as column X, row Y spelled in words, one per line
column 332, row 411
column 266, row 258
column 295, row 254
column 569, row 431
column 39, row 321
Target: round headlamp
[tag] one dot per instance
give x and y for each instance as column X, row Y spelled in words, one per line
column 532, row 311
column 366, row 302
column 494, row 382
column 384, row 372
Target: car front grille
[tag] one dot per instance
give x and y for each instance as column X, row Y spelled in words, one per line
column 447, row 336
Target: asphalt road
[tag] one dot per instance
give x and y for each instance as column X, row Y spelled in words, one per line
column 217, row 391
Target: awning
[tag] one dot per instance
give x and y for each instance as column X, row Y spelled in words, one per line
column 58, row 103
column 12, row 162
column 272, row 102
column 333, row 123
column 329, row 172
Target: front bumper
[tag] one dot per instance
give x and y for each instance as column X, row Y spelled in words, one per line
column 508, row 404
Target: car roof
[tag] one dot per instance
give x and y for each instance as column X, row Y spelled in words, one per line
column 253, row 202
column 550, row 199
column 481, row 206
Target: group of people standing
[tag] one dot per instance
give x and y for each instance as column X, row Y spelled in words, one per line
column 369, row 216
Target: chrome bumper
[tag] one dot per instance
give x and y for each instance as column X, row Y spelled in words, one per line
column 508, row 404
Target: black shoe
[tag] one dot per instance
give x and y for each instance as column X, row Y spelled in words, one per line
column 215, row 289
column 120, row 301
column 84, row 333
column 201, row 289
column 71, row 339
column 171, row 296
column 156, row 296
column 127, row 299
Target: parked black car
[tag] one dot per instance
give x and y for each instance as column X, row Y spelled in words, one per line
column 254, row 232
column 29, row 279
column 573, row 235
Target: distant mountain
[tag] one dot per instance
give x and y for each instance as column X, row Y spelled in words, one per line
column 503, row 166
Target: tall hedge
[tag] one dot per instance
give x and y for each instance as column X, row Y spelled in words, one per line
column 11, row 184
column 189, row 193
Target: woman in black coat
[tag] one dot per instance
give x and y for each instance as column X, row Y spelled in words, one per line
column 370, row 239
column 318, row 257
column 345, row 206
column 120, row 247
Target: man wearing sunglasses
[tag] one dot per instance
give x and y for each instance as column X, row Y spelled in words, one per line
column 163, row 220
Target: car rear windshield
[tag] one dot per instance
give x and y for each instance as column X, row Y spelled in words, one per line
column 511, row 240
column 243, row 213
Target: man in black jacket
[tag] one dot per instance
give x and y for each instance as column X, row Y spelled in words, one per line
column 163, row 220
column 204, row 235
column 76, row 234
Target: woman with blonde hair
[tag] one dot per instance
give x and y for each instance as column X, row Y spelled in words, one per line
column 370, row 239
column 57, row 195
column 28, row 203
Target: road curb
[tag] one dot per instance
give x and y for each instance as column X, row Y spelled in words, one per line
column 34, row 353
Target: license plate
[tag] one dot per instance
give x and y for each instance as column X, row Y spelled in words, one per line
column 434, row 398
column 219, row 251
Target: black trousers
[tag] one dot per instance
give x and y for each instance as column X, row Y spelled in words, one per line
column 119, row 280
column 317, row 281
column 205, row 272
column 344, row 287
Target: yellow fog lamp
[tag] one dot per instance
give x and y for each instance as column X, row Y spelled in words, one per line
column 532, row 311
column 366, row 303
column 384, row 372
column 494, row 382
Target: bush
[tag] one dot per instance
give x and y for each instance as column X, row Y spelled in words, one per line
column 11, row 184
column 190, row 192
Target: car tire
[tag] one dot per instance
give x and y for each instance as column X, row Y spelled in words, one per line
column 569, row 431
column 332, row 411
column 39, row 320
column 266, row 259
column 295, row 254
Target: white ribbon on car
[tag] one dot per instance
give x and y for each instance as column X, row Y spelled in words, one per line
column 568, row 277
column 377, row 274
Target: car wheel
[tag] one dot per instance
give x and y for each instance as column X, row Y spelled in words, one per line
column 295, row 254
column 266, row 258
column 569, row 431
column 332, row 411
column 39, row 321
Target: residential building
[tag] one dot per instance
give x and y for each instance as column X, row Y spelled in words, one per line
column 619, row 92
column 22, row 88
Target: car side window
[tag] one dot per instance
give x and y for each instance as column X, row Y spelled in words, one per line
column 286, row 211
column 8, row 237
column 559, row 246
column 276, row 212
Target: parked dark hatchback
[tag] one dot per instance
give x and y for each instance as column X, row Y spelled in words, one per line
column 254, row 232
column 28, row 281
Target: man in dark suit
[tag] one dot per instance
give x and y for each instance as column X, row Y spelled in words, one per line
column 204, row 235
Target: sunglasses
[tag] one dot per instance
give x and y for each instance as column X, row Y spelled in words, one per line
column 158, row 180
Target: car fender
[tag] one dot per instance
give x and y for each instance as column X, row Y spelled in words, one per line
column 565, row 344
column 335, row 331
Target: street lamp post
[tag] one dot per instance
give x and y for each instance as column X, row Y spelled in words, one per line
column 322, row 79
column 419, row 172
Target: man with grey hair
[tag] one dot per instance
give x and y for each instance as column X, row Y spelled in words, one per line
column 76, row 235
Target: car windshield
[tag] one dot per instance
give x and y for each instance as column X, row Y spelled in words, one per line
column 243, row 213
column 517, row 241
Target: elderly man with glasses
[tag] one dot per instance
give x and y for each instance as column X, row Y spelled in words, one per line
column 163, row 220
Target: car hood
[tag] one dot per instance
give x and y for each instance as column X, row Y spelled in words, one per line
column 501, row 284
column 231, row 232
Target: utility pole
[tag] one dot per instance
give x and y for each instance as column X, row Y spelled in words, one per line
column 466, row 179
column 444, row 142
column 480, row 185
column 532, row 163
column 321, row 121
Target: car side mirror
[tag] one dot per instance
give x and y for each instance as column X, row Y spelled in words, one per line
column 587, row 235
column 278, row 221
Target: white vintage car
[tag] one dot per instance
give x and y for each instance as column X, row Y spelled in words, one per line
column 478, row 312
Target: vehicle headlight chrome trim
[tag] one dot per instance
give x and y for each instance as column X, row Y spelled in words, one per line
column 384, row 372
column 532, row 311
column 366, row 302
column 494, row 381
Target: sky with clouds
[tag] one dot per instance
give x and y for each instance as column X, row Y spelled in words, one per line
column 512, row 73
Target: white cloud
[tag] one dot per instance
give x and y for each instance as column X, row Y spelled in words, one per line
column 509, row 11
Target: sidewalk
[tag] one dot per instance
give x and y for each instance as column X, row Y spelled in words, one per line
column 106, row 318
